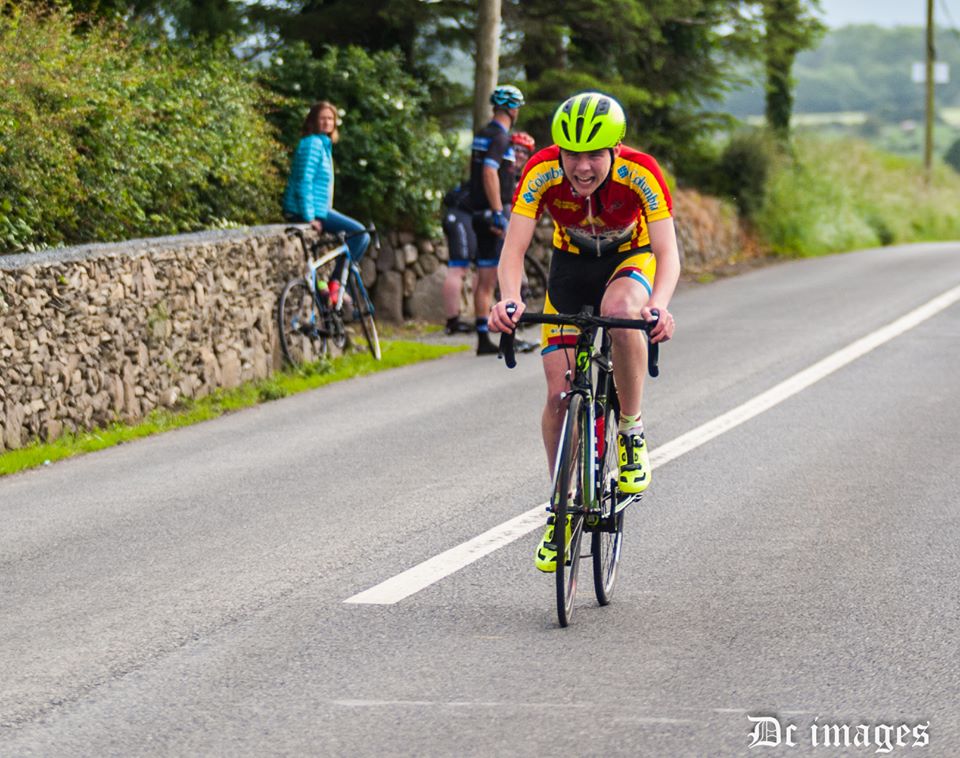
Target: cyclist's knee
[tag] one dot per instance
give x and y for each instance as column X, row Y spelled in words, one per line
column 621, row 307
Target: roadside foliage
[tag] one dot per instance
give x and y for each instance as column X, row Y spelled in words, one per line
column 105, row 135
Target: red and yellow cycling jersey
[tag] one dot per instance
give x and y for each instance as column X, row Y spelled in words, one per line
column 614, row 218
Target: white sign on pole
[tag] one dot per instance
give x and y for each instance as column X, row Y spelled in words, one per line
column 941, row 73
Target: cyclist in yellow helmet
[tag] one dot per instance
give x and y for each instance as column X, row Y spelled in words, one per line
column 615, row 248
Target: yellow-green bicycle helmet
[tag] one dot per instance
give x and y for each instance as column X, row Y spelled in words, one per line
column 589, row 121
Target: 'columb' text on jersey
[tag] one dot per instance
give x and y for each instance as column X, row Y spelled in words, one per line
column 615, row 218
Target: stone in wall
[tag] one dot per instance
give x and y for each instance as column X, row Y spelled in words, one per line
column 388, row 297
column 368, row 269
column 409, row 282
column 426, row 301
column 410, row 254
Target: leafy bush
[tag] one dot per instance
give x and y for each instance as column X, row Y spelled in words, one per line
column 844, row 194
column 952, row 156
column 107, row 136
column 743, row 169
column 393, row 162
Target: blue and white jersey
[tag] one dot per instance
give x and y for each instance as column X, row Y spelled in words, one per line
column 492, row 147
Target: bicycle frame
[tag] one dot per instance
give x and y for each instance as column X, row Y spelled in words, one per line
column 593, row 380
column 349, row 268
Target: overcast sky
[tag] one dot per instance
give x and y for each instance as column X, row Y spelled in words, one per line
column 887, row 12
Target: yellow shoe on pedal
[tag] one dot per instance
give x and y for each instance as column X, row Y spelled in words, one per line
column 546, row 557
column 634, row 463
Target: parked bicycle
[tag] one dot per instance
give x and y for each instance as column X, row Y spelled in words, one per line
column 309, row 317
column 585, row 480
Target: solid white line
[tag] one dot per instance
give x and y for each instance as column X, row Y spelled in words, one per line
column 800, row 381
column 433, row 570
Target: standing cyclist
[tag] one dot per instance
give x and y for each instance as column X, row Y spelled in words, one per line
column 613, row 231
column 492, row 177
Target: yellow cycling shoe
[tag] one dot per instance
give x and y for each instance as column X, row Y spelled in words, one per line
column 634, row 463
column 546, row 557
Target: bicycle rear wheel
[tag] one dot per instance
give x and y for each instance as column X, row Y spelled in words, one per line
column 300, row 325
column 567, row 501
column 363, row 309
column 608, row 536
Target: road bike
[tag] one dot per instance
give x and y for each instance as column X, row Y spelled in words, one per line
column 309, row 320
column 585, row 485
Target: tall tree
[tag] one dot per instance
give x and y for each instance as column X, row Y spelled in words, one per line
column 661, row 60
column 788, row 28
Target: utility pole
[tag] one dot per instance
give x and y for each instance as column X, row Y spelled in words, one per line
column 488, row 60
column 928, row 131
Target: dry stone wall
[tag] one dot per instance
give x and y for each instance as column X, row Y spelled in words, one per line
column 105, row 332
column 100, row 333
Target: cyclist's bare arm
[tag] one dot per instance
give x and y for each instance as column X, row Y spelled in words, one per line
column 663, row 242
column 510, row 271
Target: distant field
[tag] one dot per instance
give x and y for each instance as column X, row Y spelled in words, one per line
column 841, row 118
column 951, row 116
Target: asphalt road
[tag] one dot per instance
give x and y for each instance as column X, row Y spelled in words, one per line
column 184, row 594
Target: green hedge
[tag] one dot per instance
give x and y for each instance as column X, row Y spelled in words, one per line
column 107, row 136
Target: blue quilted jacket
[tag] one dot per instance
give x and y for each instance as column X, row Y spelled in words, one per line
column 309, row 192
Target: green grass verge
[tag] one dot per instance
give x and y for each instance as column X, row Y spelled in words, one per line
column 837, row 195
column 289, row 382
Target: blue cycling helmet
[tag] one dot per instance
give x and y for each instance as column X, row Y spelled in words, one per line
column 506, row 96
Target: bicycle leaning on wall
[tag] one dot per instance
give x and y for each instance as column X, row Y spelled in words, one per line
column 309, row 318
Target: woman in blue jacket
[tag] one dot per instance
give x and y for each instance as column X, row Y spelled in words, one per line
column 309, row 194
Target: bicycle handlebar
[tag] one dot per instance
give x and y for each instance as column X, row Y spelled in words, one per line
column 582, row 321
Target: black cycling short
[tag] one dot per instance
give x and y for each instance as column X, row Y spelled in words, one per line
column 581, row 279
column 461, row 239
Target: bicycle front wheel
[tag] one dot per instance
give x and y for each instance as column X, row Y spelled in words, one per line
column 608, row 535
column 568, row 502
column 364, row 313
column 300, row 325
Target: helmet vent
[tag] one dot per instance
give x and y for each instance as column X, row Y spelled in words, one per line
column 602, row 107
column 593, row 132
column 579, row 132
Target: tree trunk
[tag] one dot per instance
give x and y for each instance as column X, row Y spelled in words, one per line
column 487, row 62
column 781, row 19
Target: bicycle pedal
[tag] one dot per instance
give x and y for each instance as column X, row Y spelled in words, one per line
column 628, row 500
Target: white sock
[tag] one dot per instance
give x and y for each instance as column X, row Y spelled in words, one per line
column 632, row 425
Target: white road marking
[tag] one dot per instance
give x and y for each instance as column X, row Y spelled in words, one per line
column 436, row 568
column 429, row 572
